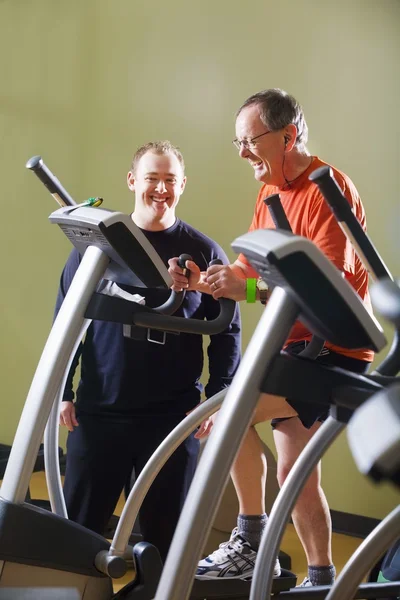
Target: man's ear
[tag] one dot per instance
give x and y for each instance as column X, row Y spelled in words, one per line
column 290, row 135
column 183, row 185
column 130, row 179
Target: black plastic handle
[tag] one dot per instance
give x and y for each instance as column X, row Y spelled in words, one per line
column 341, row 208
column 186, row 325
column 313, row 349
column 51, row 182
column 182, row 263
column 175, row 298
column 365, row 249
column 277, row 213
column 215, row 261
column 171, row 305
column 180, row 324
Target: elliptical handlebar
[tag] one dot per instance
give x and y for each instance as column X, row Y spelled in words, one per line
column 175, row 299
column 280, row 220
column 324, row 178
column 277, row 213
column 51, row 182
column 186, row 325
column 107, row 308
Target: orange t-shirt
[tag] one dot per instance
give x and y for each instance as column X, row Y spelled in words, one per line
column 310, row 216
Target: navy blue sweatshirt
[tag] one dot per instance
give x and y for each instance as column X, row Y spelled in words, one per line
column 122, row 378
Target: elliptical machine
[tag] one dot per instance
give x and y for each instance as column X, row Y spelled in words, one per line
column 59, row 553
column 310, row 288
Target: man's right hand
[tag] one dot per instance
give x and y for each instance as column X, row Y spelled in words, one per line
column 180, row 282
column 67, row 415
column 205, row 427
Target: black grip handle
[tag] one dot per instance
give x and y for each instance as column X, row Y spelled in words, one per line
column 325, row 180
column 175, row 298
column 277, row 213
column 50, row 181
column 338, row 203
column 280, row 220
column 182, row 263
column 215, row 261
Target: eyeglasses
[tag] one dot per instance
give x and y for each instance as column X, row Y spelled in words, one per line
column 248, row 144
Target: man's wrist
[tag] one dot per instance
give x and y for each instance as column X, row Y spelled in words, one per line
column 262, row 291
column 256, row 289
column 251, row 290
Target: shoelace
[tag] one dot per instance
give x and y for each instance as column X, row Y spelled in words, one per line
column 224, row 544
column 225, row 550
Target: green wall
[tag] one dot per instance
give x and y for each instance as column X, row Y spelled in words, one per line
column 84, row 83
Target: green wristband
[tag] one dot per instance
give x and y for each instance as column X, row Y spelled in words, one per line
column 251, row 290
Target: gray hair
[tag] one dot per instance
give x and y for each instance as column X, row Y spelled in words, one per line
column 278, row 109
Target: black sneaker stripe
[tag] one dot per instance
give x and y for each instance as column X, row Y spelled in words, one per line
column 231, row 563
column 235, row 563
column 249, row 561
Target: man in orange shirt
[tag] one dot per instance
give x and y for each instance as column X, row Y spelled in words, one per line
column 271, row 134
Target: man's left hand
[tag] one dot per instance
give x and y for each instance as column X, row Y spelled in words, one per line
column 225, row 284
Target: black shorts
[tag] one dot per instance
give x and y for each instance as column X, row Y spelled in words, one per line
column 308, row 412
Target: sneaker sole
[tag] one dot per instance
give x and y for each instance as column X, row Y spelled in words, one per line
column 214, row 577
column 244, row 576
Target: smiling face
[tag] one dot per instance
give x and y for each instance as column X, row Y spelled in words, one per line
column 158, row 182
column 265, row 155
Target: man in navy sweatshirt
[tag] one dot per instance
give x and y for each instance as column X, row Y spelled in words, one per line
column 132, row 393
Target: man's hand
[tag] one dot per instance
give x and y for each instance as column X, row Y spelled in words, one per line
column 68, row 416
column 206, row 426
column 224, row 283
column 180, row 282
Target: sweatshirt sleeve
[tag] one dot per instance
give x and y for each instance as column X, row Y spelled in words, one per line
column 224, row 349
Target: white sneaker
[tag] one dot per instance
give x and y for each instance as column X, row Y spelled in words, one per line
column 234, row 559
column 305, row 583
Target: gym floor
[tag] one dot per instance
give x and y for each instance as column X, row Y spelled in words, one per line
column 343, row 546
